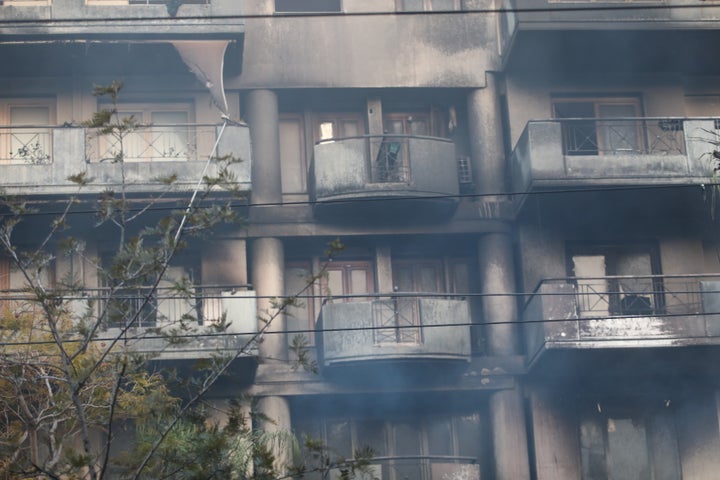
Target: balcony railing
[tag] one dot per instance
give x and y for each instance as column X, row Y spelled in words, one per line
column 425, row 467
column 39, row 159
column 396, row 327
column 151, row 143
column 619, row 310
column 623, row 136
column 25, row 145
column 607, row 151
column 163, row 322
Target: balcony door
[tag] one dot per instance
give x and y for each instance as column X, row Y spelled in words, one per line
column 616, row 280
column 349, row 280
column 28, row 142
column 605, row 132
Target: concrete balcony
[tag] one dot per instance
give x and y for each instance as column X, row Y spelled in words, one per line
column 384, row 177
column 617, row 313
column 405, row 328
column 578, row 13
column 39, row 160
column 157, row 317
column 79, row 18
column 605, row 152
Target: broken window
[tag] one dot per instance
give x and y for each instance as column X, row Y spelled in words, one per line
column 616, row 280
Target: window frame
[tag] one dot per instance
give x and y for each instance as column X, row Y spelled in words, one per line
column 612, row 251
column 6, row 106
column 146, row 132
column 597, row 102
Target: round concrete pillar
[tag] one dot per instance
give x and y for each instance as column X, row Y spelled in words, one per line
column 497, row 277
column 268, row 260
column 510, row 450
column 486, row 139
column 262, row 113
column 276, row 413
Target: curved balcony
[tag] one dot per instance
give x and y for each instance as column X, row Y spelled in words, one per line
column 384, row 177
column 405, row 327
column 622, row 312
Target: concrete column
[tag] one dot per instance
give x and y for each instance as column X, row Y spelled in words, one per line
column 262, row 112
column 509, row 436
column 268, row 262
column 486, row 140
column 277, row 413
column 497, row 278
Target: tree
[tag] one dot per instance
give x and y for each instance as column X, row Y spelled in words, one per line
column 78, row 399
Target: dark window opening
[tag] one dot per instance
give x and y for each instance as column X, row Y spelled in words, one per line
column 301, row 6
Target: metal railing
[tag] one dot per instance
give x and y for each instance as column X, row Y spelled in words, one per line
column 150, row 143
column 159, row 310
column 425, row 467
column 623, row 136
column 163, row 2
column 391, row 164
column 26, row 145
column 397, row 320
column 633, row 295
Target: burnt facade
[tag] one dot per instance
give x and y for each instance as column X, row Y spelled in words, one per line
column 529, row 284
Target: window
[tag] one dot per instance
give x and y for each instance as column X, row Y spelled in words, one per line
column 616, row 280
column 349, row 278
column 605, row 132
column 164, row 133
column 293, row 168
column 427, row 5
column 637, row 442
column 28, row 142
column 339, row 125
column 24, row 3
column 301, row 6
column 299, row 316
column 422, row 447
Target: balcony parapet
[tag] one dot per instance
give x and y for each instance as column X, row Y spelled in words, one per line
column 404, row 327
column 357, row 173
column 602, row 151
column 82, row 18
column 622, row 312
column 49, row 155
column 544, row 14
column 159, row 313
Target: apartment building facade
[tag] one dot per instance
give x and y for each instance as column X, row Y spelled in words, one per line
column 528, row 287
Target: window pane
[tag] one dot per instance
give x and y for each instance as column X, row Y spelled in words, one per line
column 327, row 130
column 407, row 439
column 30, row 145
column 292, row 156
column 443, row 4
column 412, row 5
column 418, row 126
column 359, row 281
column 427, row 279
column 350, row 128
column 335, row 282
column 627, row 449
column 593, row 289
column 372, row 434
column 307, row 6
column 439, row 436
column 297, row 316
column 468, row 435
column 339, row 437
column 169, row 140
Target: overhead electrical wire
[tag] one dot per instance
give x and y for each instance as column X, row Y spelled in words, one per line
column 702, row 186
column 380, row 327
column 500, row 10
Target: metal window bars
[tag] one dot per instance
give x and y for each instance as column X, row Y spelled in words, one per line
column 26, row 145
